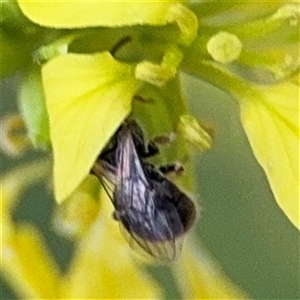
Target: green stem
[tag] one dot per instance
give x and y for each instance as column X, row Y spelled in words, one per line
column 218, row 75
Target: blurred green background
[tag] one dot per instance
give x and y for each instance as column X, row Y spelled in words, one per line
column 241, row 224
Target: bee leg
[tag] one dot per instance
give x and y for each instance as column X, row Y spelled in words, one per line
column 153, row 145
column 152, row 149
column 163, row 139
column 172, row 170
column 142, row 100
column 116, row 216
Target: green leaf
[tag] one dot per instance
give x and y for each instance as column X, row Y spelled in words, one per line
column 270, row 117
column 33, row 109
column 87, row 96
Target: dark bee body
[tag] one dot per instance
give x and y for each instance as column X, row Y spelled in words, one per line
column 151, row 209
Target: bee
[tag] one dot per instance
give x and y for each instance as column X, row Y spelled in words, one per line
column 152, row 211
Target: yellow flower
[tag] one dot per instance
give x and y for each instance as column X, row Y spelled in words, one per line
column 198, row 277
column 102, row 266
column 97, row 87
column 96, row 13
column 88, row 96
column 88, row 93
column 25, row 262
column 69, row 14
column 270, row 117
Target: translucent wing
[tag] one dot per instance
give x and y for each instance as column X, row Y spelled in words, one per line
column 106, row 175
column 144, row 204
column 160, row 251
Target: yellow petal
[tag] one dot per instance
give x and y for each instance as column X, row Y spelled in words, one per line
column 270, row 117
column 75, row 14
column 27, row 266
column 199, row 277
column 103, row 267
column 79, row 211
column 87, row 98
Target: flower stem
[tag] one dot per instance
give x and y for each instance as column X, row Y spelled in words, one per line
column 196, row 62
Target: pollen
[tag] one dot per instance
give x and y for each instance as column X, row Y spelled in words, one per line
column 224, row 47
column 289, row 11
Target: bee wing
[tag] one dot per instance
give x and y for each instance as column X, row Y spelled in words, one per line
column 106, row 175
column 130, row 177
column 154, row 229
column 160, row 251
